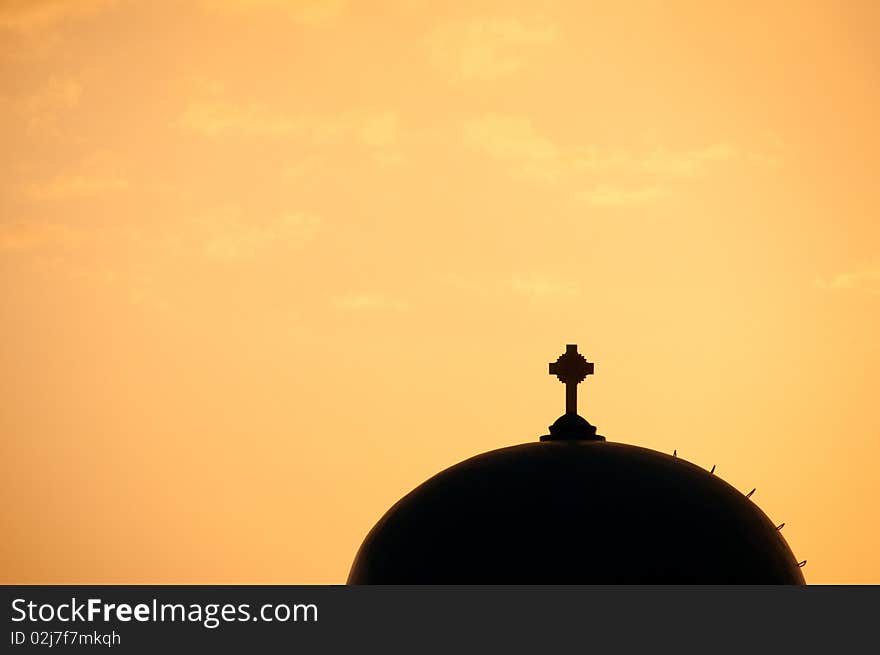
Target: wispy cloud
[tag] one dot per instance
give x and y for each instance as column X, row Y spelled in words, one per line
column 33, row 15
column 616, row 196
column 312, row 12
column 514, row 138
column 68, row 186
column 43, row 107
column 682, row 163
column 377, row 130
column 656, row 160
column 229, row 238
column 305, row 167
column 542, row 286
column 866, row 279
column 27, row 236
column 487, row 48
column 221, row 117
column 510, row 136
column 214, row 118
column 90, row 252
column 367, row 301
column 223, row 235
column 40, row 110
column 531, row 284
column 99, row 174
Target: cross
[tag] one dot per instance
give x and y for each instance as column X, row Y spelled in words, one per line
column 571, row 368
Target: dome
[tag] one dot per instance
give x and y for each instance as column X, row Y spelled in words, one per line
column 574, row 508
column 575, row 512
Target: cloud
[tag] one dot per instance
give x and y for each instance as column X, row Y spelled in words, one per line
column 514, row 137
column 90, row 252
column 657, row 160
column 377, row 130
column 57, row 93
column 305, row 167
column 223, row 235
column 26, row 236
column 228, row 238
column 387, row 158
column 684, row 163
column 867, row 279
column 542, row 286
column 615, row 196
column 97, row 175
column 216, row 118
column 310, row 12
column 532, row 154
column 487, row 48
column 33, row 15
column 538, row 286
column 41, row 110
column 67, row 186
column 510, row 136
column 367, row 301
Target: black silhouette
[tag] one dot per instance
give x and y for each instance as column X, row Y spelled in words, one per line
column 571, row 368
column 574, row 508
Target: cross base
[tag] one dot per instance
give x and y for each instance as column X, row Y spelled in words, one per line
column 572, row 427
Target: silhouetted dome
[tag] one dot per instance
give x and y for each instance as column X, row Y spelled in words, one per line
column 575, row 509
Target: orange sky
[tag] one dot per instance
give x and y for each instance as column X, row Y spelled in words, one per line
column 265, row 266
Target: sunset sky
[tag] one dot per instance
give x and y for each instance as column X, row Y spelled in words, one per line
column 267, row 265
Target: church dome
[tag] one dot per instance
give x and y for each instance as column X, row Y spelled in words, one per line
column 574, row 508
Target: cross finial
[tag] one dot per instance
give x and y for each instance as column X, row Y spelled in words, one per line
column 571, row 368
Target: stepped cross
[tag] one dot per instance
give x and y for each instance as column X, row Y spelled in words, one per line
column 571, row 368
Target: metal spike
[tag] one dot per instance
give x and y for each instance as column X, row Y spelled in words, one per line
column 713, row 469
column 780, row 526
column 675, row 453
column 801, row 564
column 749, row 495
